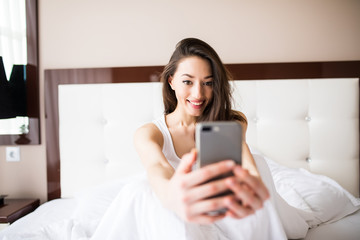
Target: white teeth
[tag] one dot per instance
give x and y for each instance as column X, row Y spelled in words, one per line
column 196, row 103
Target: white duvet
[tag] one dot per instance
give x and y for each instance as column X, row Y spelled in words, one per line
column 128, row 209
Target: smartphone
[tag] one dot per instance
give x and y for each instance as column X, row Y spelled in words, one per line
column 217, row 141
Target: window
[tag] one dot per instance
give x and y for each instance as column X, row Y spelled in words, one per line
column 13, row 50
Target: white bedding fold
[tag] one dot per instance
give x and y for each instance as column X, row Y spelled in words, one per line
column 294, row 222
column 136, row 213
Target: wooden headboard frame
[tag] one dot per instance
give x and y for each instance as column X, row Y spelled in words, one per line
column 262, row 71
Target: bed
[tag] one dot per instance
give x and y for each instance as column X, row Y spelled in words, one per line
column 303, row 122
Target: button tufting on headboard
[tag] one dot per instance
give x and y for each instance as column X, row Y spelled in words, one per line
column 104, row 121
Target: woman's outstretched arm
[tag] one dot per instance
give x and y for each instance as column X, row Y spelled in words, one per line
column 183, row 191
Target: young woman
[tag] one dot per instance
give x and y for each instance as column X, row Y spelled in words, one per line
column 173, row 202
column 196, row 88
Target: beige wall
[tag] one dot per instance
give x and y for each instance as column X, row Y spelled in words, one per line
column 94, row 33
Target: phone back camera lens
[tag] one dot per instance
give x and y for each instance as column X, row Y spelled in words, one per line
column 207, row 129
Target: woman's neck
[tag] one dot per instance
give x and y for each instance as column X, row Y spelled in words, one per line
column 179, row 119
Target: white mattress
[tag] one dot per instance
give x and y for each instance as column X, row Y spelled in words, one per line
column 347, row 228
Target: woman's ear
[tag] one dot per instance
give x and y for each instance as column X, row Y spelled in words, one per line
column 170, row 82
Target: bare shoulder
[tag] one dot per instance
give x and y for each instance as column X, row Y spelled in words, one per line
column 242, row 119
column 149, row 141
column 148, row 132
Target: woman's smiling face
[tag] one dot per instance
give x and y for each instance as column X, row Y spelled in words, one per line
column 193, row 85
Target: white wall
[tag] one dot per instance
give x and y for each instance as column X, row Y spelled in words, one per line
column 103, row 33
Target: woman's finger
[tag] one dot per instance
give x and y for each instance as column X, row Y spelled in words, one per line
column 255, row 183
column 245, row 194
column 206, row 190
column 205, row 218
column 209, row 172
column 209, row 205
column 237, row 210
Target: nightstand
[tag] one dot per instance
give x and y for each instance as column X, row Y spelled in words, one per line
column 13, row 209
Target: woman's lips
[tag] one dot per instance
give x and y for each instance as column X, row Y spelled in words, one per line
column 196, row 104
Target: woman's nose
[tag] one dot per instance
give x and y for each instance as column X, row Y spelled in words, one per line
column 197, row 91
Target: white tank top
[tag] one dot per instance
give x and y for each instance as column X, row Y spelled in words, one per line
column 168, row 147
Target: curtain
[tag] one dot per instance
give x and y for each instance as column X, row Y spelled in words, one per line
column 13, row 34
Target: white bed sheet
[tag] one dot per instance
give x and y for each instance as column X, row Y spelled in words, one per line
column 344, row 229
column 79, row 217
column 49, row 213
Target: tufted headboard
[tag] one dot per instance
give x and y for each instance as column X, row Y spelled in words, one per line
column 311, row 123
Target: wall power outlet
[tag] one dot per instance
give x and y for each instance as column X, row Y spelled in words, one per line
column 13, row 154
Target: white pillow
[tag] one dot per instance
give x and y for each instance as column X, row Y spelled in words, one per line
column 312, row 193
column 294, row 224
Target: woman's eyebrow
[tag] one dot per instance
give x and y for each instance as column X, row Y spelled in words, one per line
column 191, row 76
column 187, row 75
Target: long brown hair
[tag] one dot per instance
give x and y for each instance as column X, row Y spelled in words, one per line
column 219, row 107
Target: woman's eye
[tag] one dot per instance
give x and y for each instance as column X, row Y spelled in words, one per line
column 208, row 83
column 187, row 82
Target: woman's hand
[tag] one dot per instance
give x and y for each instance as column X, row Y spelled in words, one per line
column 250, row 193
column 188, row 190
